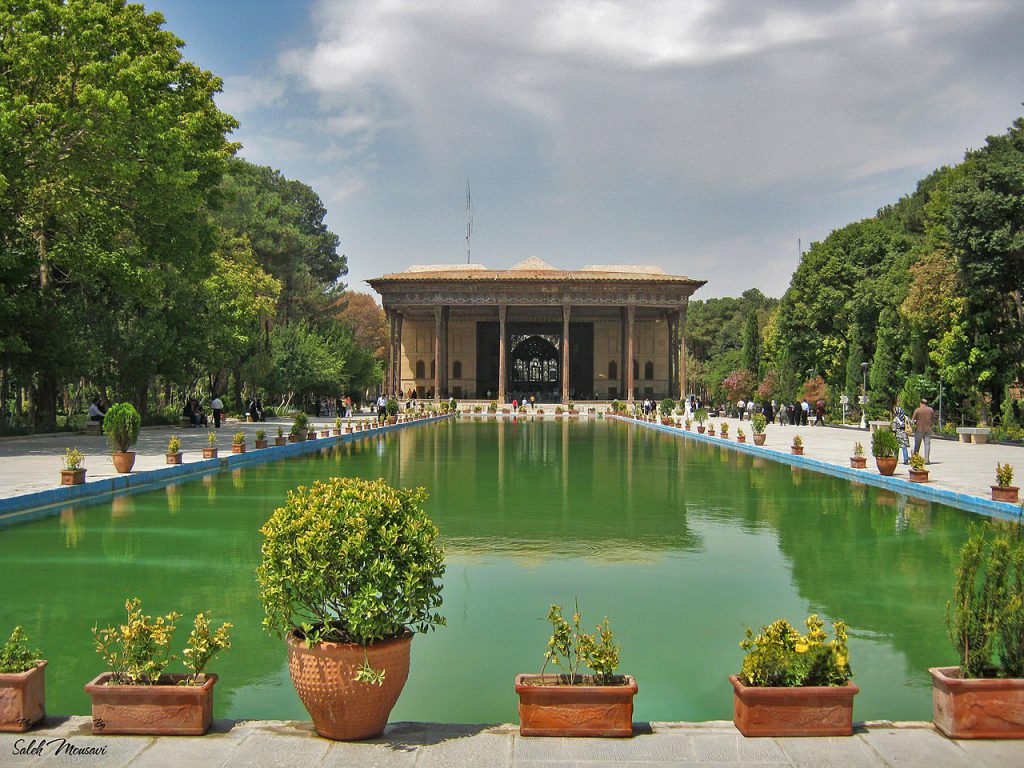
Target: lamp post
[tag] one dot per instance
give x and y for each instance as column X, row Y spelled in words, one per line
column 864, row 397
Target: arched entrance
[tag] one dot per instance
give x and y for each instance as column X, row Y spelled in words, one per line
column 536, row 369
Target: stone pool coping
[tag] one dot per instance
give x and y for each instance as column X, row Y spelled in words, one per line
column 47, row 503
column 960, row 499
column 236, row 743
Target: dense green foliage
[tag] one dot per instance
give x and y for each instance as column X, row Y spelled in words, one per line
column 351, row 560
column 138, row 259
column 929, row 291
column 986, row 617
column 781, row 657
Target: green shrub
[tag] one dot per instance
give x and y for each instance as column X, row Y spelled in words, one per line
column 569, row 647
column 986, row 618
column 884, row 444
column 351, row 560
column 781, row 657
column 121, row 426
column 758, row 422
column 15, row 657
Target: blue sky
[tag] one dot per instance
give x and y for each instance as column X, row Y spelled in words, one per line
column 704, row 136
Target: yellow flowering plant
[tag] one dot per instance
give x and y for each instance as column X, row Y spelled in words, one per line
column 780, row 657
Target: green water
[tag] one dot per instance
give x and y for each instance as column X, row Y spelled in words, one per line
column 680, row 544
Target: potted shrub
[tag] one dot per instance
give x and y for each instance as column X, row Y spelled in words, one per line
column 858, row 460
column 701, row 415
column 135, row 695
column 300, row 428
column 1002, row 490
column 280, row 439
column 793, row 684
column 571, row 704
column 758, row 424
column 741, row 436
column 261, row 438
column 238, row 442
column 884, row 447
column 983, row 698
column 22, row 685
column 73, row 472
column 391, row 409
column 918, row 474
column 121, row 426
column 210, row 451
column 337, row 426
column 173, row 454
column 349, row 612
column 797, row 448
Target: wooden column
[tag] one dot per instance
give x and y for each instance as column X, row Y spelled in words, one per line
column 437, row 354
column 630, row 317
column 399, row 317
column 502, row 313
column 565, row 353
column 682, row 351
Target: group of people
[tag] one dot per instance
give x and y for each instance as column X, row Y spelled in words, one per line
column 921, row 423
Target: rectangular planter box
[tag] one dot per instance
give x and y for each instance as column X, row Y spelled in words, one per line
column 977, row 709
column 23, row 699
column 161, row 710
column 803, row 711
column 575, row 710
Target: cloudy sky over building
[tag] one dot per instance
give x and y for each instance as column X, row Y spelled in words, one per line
column 704, row 136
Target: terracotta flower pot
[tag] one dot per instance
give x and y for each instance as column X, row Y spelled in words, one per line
column 238, row 447
column 918, row 475
column 796, row 450
column 261, row 444
column 342, row 708
column 72, row 476
column 166, row 709
column 886, row 465
column 859, row 462
column 23, row 699
column 1005, row 493
column 977, row 709
column 759, row 438
column 574, row 710
column 802, row 711
column 124, row 461
column 173, row 458
column 209, row 453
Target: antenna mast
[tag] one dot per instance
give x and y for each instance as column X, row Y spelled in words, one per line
column 469, row 221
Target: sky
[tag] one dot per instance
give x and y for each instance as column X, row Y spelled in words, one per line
column 708, row 137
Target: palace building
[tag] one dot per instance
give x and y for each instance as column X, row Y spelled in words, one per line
column 598, row 333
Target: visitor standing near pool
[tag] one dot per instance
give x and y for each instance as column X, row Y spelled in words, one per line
column 924, row 418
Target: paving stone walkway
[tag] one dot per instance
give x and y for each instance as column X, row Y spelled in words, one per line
column 273, row 744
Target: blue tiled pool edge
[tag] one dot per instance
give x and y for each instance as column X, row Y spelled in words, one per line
column 32, row 506
column 964, row 501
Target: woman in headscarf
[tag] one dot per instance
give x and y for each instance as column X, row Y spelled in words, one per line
column 899, row 428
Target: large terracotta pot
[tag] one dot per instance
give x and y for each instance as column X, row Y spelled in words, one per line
column 886, row 464
column 23, row 699
column 124, row 461
column 1005, row 493
column 72, row 476
column 977, row 709
column 759, row 438
column 803, row 711
column 342, row 708
column 859, row 462
column 167, row 709
column 574, row 710
column 173, row 458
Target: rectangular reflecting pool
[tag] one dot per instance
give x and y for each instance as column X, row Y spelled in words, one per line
column 681, row 544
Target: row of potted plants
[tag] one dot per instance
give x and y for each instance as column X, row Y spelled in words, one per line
column 348, row 614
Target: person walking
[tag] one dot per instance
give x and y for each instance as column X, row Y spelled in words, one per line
column 218, row 409
column 899, row 428
column 924, row 420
